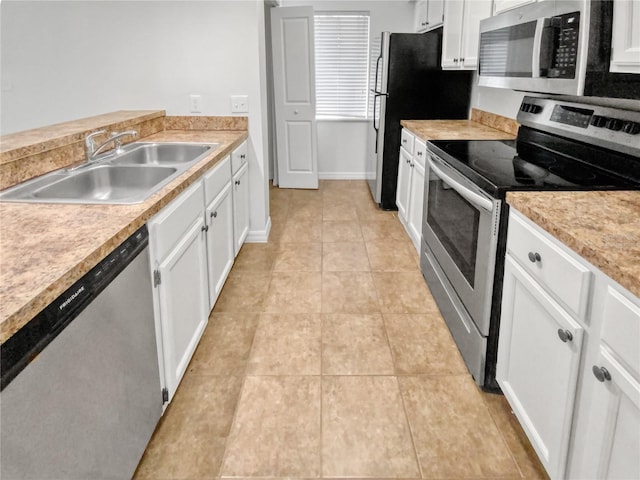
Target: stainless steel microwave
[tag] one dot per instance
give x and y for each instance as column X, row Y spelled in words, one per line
column 553, row 46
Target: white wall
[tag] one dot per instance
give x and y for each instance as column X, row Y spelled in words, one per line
column 341, row 144
column 67, row 60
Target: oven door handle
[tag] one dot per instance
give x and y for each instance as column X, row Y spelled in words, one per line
column 474, row 198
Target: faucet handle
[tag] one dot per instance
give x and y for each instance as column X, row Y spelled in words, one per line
column 116, row 136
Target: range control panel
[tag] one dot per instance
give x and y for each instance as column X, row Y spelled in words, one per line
column 609, row 127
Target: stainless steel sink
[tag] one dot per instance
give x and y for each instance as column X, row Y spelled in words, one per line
column 129, row 176
column 161, row 154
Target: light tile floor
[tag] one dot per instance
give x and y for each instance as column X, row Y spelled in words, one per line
column 326, row 356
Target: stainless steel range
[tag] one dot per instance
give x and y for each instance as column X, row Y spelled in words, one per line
column 560, row 146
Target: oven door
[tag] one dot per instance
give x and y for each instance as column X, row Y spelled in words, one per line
column 461, row 229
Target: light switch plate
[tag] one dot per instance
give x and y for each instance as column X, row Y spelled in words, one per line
column 239, row 103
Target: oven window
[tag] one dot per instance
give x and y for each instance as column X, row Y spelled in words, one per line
column 508, row 51
column 455, row 222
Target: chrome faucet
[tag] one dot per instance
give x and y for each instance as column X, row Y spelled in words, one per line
column 90, row 145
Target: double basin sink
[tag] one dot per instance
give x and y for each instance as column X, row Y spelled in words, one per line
column 128, row 176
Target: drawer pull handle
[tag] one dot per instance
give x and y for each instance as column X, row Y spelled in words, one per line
column 237, row 182
column 404, row 140
column 534, row 257
column 214, row 214
column 601, row 373
column 565, row 335
column 243, row 156
column 205, row 228
column 419, row 154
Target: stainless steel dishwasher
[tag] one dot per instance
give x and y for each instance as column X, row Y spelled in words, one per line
column 81, row 392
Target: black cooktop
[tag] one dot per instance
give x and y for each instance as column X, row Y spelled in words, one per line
column 537, row 161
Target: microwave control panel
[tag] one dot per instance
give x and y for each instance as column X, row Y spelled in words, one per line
column 566, row 30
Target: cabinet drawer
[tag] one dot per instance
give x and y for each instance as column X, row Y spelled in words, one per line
column 419, row 152
column 170, row 225
column 550, row 264
column 621, row 328
column 407, row 141
column 238, row 157
column 216, row 179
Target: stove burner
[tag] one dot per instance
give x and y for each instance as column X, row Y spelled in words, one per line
column 572, row 174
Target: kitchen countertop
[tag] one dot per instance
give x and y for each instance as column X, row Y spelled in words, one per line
column 45, row 248
column 602, row 227
column 454, row 130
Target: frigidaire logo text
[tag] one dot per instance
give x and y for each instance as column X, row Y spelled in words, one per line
column 71, row 298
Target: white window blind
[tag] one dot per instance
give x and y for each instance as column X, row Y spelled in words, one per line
column 342, row 65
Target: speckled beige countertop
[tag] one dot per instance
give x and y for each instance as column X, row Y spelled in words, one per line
column 454, row 130
column 45, row 248
column 602, row 227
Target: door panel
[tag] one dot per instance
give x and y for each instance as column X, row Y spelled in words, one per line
column 294, row 90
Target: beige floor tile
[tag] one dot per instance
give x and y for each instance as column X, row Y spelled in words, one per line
column 189, row 442
column 305, row 212
column 514, row 435
column 243, row 292
column 276, row 431
column 422, row 344
column 364, row 429
column 349, row 292
column 339, row 213
column 400, row 257
column 384, row 228
column 294, row 292
column 403, row 292
column 341, row 232
column 305, row 196
column 344, row 257
column 256, row 257
column 276, row 232
column 454, row 434
column 355, row 344
column 225, row 344
column 298, row 257
column 301, row 231
column 287, row 344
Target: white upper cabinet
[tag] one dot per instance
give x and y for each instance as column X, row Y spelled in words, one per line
column 625, row 42
column 428, row 14
column 462, row 31
column 503, row 5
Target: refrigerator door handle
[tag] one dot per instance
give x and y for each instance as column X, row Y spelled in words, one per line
column 375, row 83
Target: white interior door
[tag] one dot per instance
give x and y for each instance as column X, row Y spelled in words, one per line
column 295, row 96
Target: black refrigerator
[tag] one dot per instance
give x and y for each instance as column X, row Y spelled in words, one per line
column 409, row 85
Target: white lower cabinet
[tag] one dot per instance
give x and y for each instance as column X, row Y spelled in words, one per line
column 220, row 241
column 240, row 172
column 410, row 186
column 569, row 363
column 181, row 297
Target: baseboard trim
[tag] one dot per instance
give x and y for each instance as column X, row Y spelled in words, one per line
column 259, row 236
column 343, row 175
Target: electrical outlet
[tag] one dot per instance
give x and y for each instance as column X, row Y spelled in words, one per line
column 239, row 103
column 195, row 103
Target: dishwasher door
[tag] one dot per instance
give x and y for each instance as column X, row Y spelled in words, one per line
column 87, row 405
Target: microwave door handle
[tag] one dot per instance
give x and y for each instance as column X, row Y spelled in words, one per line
column 472, row 197
column 537, row 40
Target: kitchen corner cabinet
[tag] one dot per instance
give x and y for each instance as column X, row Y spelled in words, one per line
column 240, row 172
column 625, row 42
column 461, row 32
column 428, row 14
column 410, row 187
column 569, row 357
column 181, row 299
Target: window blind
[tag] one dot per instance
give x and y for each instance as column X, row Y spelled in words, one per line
column 342, row 65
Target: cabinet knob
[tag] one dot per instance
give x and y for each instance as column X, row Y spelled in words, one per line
column 412, row 165
column 462, row 59
column 205, row 228
column 295, row 112
column 419, row 154
column 214, row 214
column 404, row 140
column 408, row 161
column 534, row 257
column 601, row 373
column 455, row 60
column 243, row 156
column 237, row 182
column 565, row 335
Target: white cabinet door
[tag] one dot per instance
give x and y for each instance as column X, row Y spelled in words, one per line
column 452, row 33
column 502, row 5
column 435, row 13
column 220, row 241
column 184, row 301
column 612, row 443
column 404, row 184
column 625, row 54
column 474, row 11
column 240, row 206
column 416, row 198
column 420, row 16
column 538, row 364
